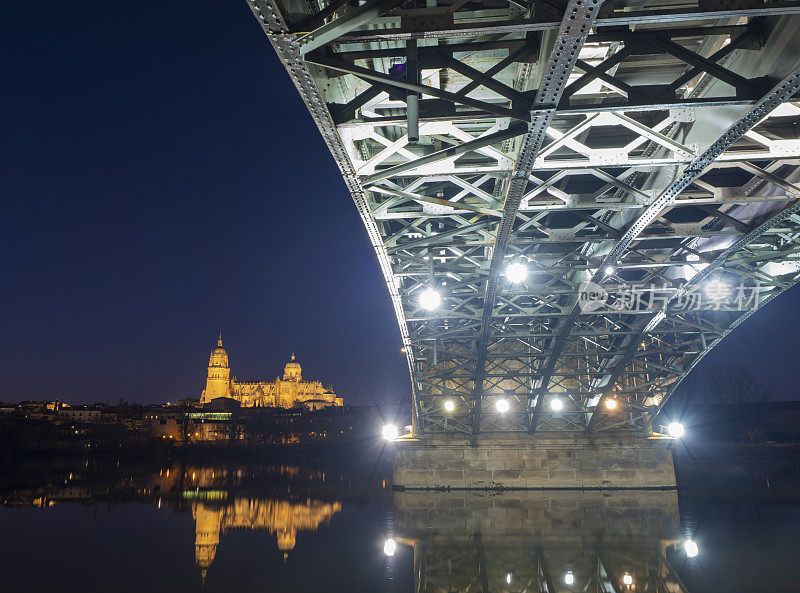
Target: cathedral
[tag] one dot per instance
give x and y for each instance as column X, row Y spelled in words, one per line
column 289, row 392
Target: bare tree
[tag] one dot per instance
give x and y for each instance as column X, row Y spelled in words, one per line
column 734, row 384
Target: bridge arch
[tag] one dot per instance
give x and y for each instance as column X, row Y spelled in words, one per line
column 637, row 162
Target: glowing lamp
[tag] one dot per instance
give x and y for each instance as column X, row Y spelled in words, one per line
column 502, row 405
column 389, row 432
column 430, row 299
column 676, row 430
column 517, row 272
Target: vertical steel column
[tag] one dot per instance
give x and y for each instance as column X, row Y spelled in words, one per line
column 412, row 99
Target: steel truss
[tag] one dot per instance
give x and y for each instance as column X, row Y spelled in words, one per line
column 624, row 144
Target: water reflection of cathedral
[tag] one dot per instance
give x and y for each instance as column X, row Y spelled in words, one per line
column 281, row 518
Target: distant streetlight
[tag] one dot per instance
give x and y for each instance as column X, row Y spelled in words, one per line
column 502, row 405
column 556, row 404
column 449, row 406
column 517, row 272
column 627, row 579
column 676, row 430
column 389, row 547
column 430, row 299
column 508, row 578
column 569, row 578
column 390, row 432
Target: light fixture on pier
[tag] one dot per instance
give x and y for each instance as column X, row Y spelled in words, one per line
column 502, row 405
column 556, row 404
column 516, row 272
column 569, row 579
column 690, row 547
column 449, row 406
column 389, row 547
column 609, row 270
column 611, row 403
column 508, row 578
column 627, row 579
column 676, row 430
column 430, row 299
column 389, row 432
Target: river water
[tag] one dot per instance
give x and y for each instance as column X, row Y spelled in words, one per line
column 108, row 524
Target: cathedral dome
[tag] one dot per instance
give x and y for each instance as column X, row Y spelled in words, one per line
column 292, row 371
column 219, row 356
column 286, row 540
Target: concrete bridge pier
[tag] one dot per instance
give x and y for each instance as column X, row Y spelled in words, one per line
column 533, row 462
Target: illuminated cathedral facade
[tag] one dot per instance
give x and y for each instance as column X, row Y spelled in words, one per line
column 289, row 392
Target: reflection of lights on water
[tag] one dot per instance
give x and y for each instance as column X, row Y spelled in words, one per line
column 389, row 432
column 569, row 578
column 556, row 404
column 627, row 579
column 389, row 547
column 690, row 547
column 676, row 430
column 502, row 405
column 508, row 578
column 449, row 406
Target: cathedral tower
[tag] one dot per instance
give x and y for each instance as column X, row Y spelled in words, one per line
column 219, row 374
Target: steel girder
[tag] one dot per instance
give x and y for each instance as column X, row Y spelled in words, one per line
column 625, row 145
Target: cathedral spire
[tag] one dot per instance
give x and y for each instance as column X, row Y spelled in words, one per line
column 219, row 340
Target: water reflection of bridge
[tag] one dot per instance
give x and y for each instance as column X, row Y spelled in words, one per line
column 540, row 541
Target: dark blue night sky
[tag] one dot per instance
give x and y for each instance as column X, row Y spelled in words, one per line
column 161, row 179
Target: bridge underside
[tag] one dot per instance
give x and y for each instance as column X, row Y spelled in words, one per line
column 635, row 163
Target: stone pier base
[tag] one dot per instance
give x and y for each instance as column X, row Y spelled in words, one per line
column 533, row 462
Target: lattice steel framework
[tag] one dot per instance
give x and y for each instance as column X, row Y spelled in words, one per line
column 626, row 144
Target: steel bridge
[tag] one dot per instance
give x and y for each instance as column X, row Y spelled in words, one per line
column 635, row 162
